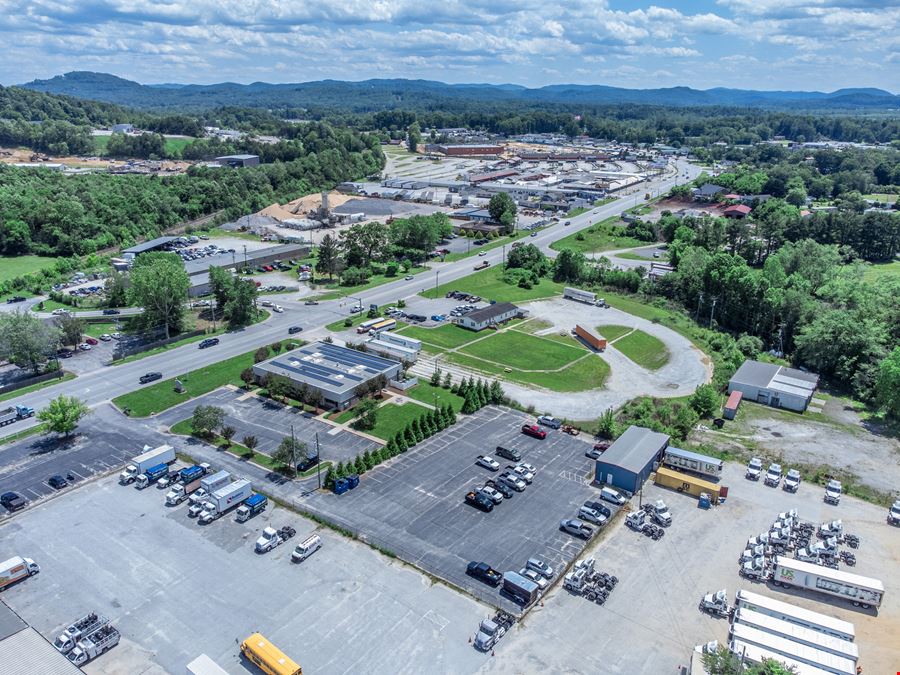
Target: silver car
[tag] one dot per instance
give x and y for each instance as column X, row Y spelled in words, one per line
column 540, row 567
column 591, row 516
column 512, row 481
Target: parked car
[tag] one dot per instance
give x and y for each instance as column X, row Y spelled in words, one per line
column 591, row 516
column 531, row 575
column 576, row 528
column 85, row 347
column 278, row 309
column 522, row 473
column 91, row 341
column 13, row 501
column 480, row 501
column 208, row 342
column 530, row 468
column 488, row 462
column 547, row 421
column 266, row 303
column 501, row 488
column 599, row 507
column 540, row 567
column 149, row 377
column 57, row 482
column 311, row 302
column 294, row 330
column 106, row 337
column 483, row 571
column 408, row 277
column 508, row 453
column 512, row 481
column 15, row 298
column 493, row 494
column 534, row 430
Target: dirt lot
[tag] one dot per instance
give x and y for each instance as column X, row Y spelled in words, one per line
column 837, row 437
column 16, row 155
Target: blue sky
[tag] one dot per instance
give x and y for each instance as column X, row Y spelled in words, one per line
column 751, row 44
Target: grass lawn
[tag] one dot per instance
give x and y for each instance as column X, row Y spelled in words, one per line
column 425, row 392
column 86, row 306
column 162, row 396
column 576, row 212
column 177, row 144
column 877, row 271
column 34, row 387
column 533, row 325
column 334, row 291
column 496, row 243
column 488, row 283
column 644, row 349
column 446, row 336
column 393, row 418
column 589, row 372
column 16, row 266
column 632, row 255
column 524, row 352
column 605, row 200
column 613, row 331
column 98, row 329
column 599, row 237
column 881, row 197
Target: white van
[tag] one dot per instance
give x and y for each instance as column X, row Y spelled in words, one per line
column 611, row 495
column 306, row 548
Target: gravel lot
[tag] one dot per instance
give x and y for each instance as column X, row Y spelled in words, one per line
column 414, row 505
column 651, row 622
column 176, row 589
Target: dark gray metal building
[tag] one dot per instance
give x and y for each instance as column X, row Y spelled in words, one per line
column 630, row 460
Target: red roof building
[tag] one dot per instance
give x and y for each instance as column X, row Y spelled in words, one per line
column 737, row 211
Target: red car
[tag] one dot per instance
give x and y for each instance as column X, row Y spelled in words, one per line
column 534, row 430
column 91, row 341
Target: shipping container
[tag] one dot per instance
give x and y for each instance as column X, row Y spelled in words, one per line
column 685, row 460
column 799, row 616
column 791, row 631
column 686, row 483
column 811, row 656
column 590, row 337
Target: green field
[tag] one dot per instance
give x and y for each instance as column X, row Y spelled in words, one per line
column 173, row 145
column 426, row 393
column 877, row 271
column 576, row 212
column 488, row 283
column 598, row 237
column 613, row 331
column 474, row 250
column 162, row 396
column 16, row 266
column 393, row 418
column 523, row 352
column 644, row 349
column 447, row 336
column 589, row 372
column 333, row 290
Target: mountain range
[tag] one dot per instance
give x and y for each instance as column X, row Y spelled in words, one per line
column 386, row 94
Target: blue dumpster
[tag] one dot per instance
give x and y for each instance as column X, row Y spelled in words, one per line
column 341, row 485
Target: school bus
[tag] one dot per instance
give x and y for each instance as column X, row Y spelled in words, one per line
column 268, row 657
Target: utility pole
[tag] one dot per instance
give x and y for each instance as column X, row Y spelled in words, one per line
column 293, row 450
column 436, row 274
column 713, row 310
column 318, row 462
column 504, row 254
column 781, row 338
column 699, row 303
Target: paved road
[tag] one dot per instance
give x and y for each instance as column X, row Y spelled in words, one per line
column 108, row 382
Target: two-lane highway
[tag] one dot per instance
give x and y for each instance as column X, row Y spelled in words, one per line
column 110, row 381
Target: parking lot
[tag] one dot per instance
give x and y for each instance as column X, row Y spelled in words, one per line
column 270, row 422
column 176, row 589
column 104, row 441
column 651, row 622
column 414, row 505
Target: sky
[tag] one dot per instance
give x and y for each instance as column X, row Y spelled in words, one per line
column 750, row 44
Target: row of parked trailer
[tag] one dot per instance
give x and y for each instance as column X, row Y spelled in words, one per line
column 87, row 638
column 763, row 628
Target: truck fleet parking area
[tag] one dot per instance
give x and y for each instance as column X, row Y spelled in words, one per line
column 414, row 505
column 176, row 589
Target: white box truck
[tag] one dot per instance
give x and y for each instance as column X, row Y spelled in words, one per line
column 223, row 500
column 16, row 568
column 861, row 591
column 164, row 454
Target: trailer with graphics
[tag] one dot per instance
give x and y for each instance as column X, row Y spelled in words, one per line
column 862, row 591
column 693, row 462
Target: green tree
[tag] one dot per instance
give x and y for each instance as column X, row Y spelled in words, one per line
column 71, row 328
column 418, row 433
column 248, row 377
column 25, row 340
column 359, row 465
column 503, row 210
column 159, row 283
column 241, row 304
column 341, row 470
column 450, row 414
column 227, row 432
column 115, row 288
column 250, row 442
column 409, row 436
column 330, row 478
column 497, row 393
column 206, row 419
column 470, row 404
column 391, row 446
column 368, row 460
column 705, row 401
column 887, row 387
column 413, row 137
column 366, row 412
column 221, row 283
column 260, row 354
column 63, row 414
column 606, row 425
column 278, row 386
column 327, row 256
column 290, row 452
column 400, row 441
column 569, row 266
column 436, row 377
column 448, row 380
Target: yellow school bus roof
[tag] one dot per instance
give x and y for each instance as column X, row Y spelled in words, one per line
column 266, row 655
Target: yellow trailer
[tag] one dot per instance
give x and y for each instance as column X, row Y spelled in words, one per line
column 690, row 484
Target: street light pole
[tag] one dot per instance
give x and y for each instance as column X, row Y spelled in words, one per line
column 437, row 273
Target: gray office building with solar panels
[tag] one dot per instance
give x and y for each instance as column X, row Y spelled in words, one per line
column 336, row 372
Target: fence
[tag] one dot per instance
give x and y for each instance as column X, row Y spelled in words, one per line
column 128, row 348
column 27, row 382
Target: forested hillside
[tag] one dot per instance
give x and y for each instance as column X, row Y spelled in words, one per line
column 49, row 213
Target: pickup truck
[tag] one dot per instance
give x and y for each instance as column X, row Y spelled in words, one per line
column 480, row 501
column 547, row 421
column 534, row 431
column 270, row 538
column 576, row 527
column 488, row 462
column 754, row 469
column 791, row 481
column 511, row 480
column 509, row 453
column 484, row 572
column 482, row 265
column 773, row 475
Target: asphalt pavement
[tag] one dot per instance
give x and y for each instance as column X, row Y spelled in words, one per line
column 110, row 381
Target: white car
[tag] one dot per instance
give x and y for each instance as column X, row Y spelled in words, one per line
column 528, row 467
column 60, row 312
column 494, row 495
column 106, row 337
column 591, row 516
column 522, row 473
column 482, row 253
column 512, row 481
column 115, row 336
column 85, row 347
column 278, row 308
column 488, row 462
column 535, row 577
column 540, row 567
column 267, row 303
column 408, row 277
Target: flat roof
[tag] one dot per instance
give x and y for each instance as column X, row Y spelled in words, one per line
column 328, row 366
column 634, row 449
column 227, row 157
column 10, row 622
column 149, row 245
column 200, row 265
column 491, row 311
column 28, row 653
column 773, row 376
column 696, row 456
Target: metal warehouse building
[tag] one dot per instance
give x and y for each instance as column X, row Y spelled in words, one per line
column 24, row 651
column 774, row 385
column 630, row 460
column 334, row 371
